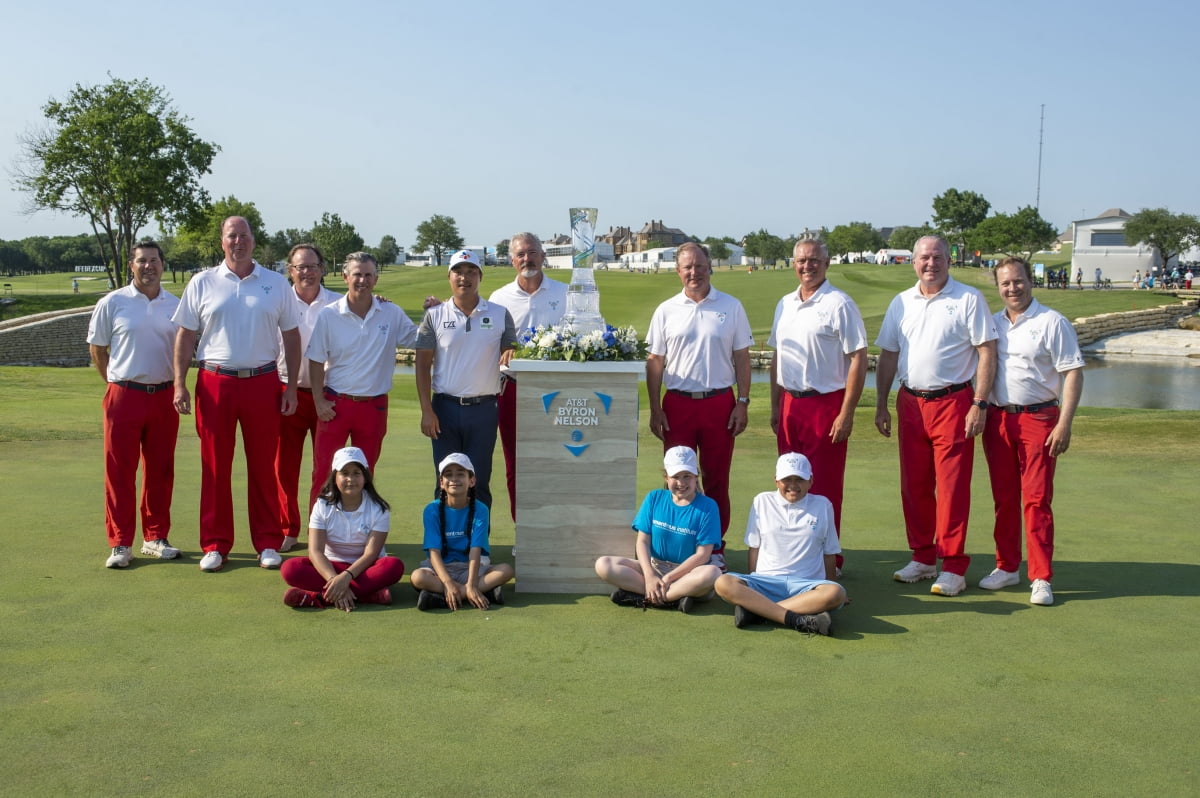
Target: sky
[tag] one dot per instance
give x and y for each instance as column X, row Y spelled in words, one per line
column 716, row 118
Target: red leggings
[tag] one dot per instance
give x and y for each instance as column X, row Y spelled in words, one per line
column 384, row 572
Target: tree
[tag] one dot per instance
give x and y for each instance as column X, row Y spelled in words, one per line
column 502, row 248
column 438, row 233
column 769, row 248
column 117, row 154
column 904, row 237
column 717, row 249
column 955, row 213
column 336, row 238
column 388, row 251
column 854, row 237
column 1022, row 234
column 200, row 235
column 1166, row 233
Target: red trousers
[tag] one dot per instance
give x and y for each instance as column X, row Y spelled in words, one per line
column 362, row 423
column 936, row 460
column 804, row 425
column 384, row 572
column 222, row 403
column 508, row 439
column 145, row 426
column 1022, row 476
column 702, row 424
column 294, row 430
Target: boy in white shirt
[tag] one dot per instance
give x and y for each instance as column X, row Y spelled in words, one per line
column 792, row 544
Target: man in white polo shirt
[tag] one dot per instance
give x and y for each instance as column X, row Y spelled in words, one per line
column 698, row 346
column 237, row 310
column 130, row 338
column 938, row 336
column 460, row 347
column 1038, row 364
column 305, row 265
column 351, row 360
column 533, row 300
column 817, row 373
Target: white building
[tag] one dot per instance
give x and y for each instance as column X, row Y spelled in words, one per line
column 559, row 256
column 1100, row 244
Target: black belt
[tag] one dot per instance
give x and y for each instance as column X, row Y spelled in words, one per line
column 940, row 392
column 700, row 394
column 465, row 401
column 144, row 387
column 266, row 368
column 1027, row 408
column 802, row 394
column 332, row 393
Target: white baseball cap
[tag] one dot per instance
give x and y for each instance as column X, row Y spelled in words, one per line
column 464, row 256
column 457, row 458
column 350, row 454
column 678, row 459
column 793, row 465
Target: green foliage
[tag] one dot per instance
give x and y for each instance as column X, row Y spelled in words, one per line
column 853, row 237
column 956, row 213
column 388, row 251
column 336, row 238
column 198, row 239
column 1023, row 233
column 718, row 250
column 904, row 236
column 502, row 248
column 1167, row 233
column 118, row 155
column 770, row 248
column 438, row 233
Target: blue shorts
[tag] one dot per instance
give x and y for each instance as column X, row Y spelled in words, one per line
column 780, row 588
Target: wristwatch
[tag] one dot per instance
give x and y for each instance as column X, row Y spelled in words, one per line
column 980, row 403
column 744, row 400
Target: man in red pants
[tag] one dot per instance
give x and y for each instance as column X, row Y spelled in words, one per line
column 817, row 373
column 533, row 300
column 1038, row 365
column 351, row 360
column 130, row 338
column 306, row 265
column 699, row 347
column 938, row 336
column 237, row 311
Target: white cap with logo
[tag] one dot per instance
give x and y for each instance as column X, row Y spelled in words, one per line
column 679, row 459
column 793, row 465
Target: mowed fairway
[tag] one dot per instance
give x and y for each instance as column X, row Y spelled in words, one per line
column 162, row 680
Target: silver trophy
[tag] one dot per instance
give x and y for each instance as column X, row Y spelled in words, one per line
column 583, row 297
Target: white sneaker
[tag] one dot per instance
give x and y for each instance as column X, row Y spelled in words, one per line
column 915, row 572
column 288, row 543
column 160, row 549
column 948, row 584
column 211, row 561
column 998, row 579
column 1042, row 595
column 120, row 557
column 269, row 558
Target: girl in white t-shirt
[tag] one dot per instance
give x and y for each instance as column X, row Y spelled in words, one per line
column 346, row 531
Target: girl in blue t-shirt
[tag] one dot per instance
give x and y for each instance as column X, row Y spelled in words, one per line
column 677, row 529
column 456, row 541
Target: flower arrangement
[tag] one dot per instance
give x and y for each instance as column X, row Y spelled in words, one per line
column 562, row 343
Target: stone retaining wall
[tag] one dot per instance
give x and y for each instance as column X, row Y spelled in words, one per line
column 1093, row 328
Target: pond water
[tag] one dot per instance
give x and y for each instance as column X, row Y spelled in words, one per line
column 1149, row 383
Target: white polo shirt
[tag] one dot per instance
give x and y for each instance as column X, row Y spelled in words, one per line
column 306, row 316
column 936, row 336
column 1032, row 354
column 698, row 340
column 544, row 307
column 813, row 339
column 360, row 353
column 238, row 320
column 466, row 359
column 792, row 538
column 139, row 334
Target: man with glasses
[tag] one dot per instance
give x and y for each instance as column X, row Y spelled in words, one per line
column 938, row 336
column 305, row 266
column 238, row 312
column 817, row 373
column 130, row 337
column 534, row 300
column 698, row 346
column 351, row 361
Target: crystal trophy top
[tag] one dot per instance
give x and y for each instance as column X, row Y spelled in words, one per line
column 583, row 297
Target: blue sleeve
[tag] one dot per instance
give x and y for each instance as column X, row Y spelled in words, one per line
column 479, row 531
column 433, row 532
column 709, row 533
column 642, row 521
